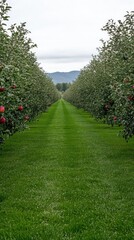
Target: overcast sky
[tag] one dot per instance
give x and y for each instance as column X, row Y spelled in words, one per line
column 67, row 32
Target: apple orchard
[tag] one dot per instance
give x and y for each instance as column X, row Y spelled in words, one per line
column 25, row 89
column 105, row 87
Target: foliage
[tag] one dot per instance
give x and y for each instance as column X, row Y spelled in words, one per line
column 25, row 89
column 62, row 87
column 105, row 87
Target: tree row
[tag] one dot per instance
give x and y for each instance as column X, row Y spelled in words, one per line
column 105, row 87
column 25, row 89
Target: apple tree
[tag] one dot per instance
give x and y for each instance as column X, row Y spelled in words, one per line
column 105, row 87
column 25, row 89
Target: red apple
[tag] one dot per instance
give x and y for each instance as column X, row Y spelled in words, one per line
column 26, row 117
column 2, row 89
column 115, row 118
column 2, row 109
column 2, row 120
column 20, row 108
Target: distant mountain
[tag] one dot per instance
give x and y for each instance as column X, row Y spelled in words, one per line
column 60, row 77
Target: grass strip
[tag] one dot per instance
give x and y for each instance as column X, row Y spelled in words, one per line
column 67, row 177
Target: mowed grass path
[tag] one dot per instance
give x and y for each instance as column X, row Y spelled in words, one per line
column 66, row 178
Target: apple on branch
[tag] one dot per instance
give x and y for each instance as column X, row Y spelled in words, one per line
column 20, row 108
column 2, row 109
column 2, row 89
column 2, row 120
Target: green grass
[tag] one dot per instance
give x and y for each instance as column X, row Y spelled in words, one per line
column 67, row 177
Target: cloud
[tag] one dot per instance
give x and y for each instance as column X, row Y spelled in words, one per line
column 63, row 57
column 63, row 66
column 67, row 32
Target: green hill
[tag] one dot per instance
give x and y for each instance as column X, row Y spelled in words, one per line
column 60, row 77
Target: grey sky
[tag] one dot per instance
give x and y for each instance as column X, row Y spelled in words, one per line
column 67, row 32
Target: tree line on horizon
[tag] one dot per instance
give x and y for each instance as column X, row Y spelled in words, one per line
column 62, row 87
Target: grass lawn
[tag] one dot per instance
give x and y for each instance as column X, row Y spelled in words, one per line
column 67, row 177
